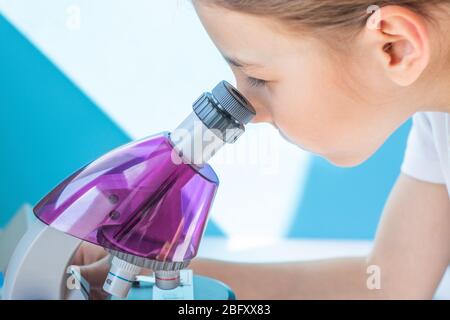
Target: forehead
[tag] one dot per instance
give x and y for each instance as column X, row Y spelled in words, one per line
column 247, row 37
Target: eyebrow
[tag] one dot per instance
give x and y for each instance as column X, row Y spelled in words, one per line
column 237, row 63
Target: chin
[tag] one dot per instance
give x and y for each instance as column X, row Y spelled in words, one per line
column 346, row 161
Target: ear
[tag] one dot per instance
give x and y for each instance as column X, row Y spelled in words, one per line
column 401, row 41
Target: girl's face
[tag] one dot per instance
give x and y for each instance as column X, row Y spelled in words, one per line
column 340, row 106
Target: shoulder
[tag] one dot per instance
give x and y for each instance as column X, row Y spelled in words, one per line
column 427, row 150
column 433, row 127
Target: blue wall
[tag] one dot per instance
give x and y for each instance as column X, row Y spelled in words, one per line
column 48, row 127
column 347, row 203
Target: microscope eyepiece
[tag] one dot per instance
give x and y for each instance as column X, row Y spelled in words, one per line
column 233, row 102
column 225, row 110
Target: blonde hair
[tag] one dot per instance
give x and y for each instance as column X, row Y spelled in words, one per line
column 322, row 14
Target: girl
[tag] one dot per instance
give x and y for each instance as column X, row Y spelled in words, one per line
column 338, row 78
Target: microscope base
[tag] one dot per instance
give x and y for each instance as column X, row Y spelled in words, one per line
column 199, row 288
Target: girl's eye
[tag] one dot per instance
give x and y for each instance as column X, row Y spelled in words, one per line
column 256, row 82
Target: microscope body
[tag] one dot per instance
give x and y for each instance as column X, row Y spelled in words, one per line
column 147, row 202
column 142, row 204
column 39, row 269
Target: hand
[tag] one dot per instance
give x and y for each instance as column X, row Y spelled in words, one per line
column 94, row 264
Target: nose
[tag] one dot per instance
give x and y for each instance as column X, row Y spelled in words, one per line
column 261, row 118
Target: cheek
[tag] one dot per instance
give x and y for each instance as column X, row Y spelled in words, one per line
column 317, row 114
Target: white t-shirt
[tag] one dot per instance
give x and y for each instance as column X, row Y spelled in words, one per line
column 428, row 151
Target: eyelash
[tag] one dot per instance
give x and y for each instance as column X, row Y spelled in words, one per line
column 256, row 83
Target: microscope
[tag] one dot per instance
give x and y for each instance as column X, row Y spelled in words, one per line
column 146, row 203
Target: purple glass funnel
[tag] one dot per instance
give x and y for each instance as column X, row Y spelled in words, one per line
column 136, row 200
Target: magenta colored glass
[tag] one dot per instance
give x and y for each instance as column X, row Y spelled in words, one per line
column 135, row 199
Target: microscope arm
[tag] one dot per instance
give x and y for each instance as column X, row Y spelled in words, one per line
column 38, row 266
